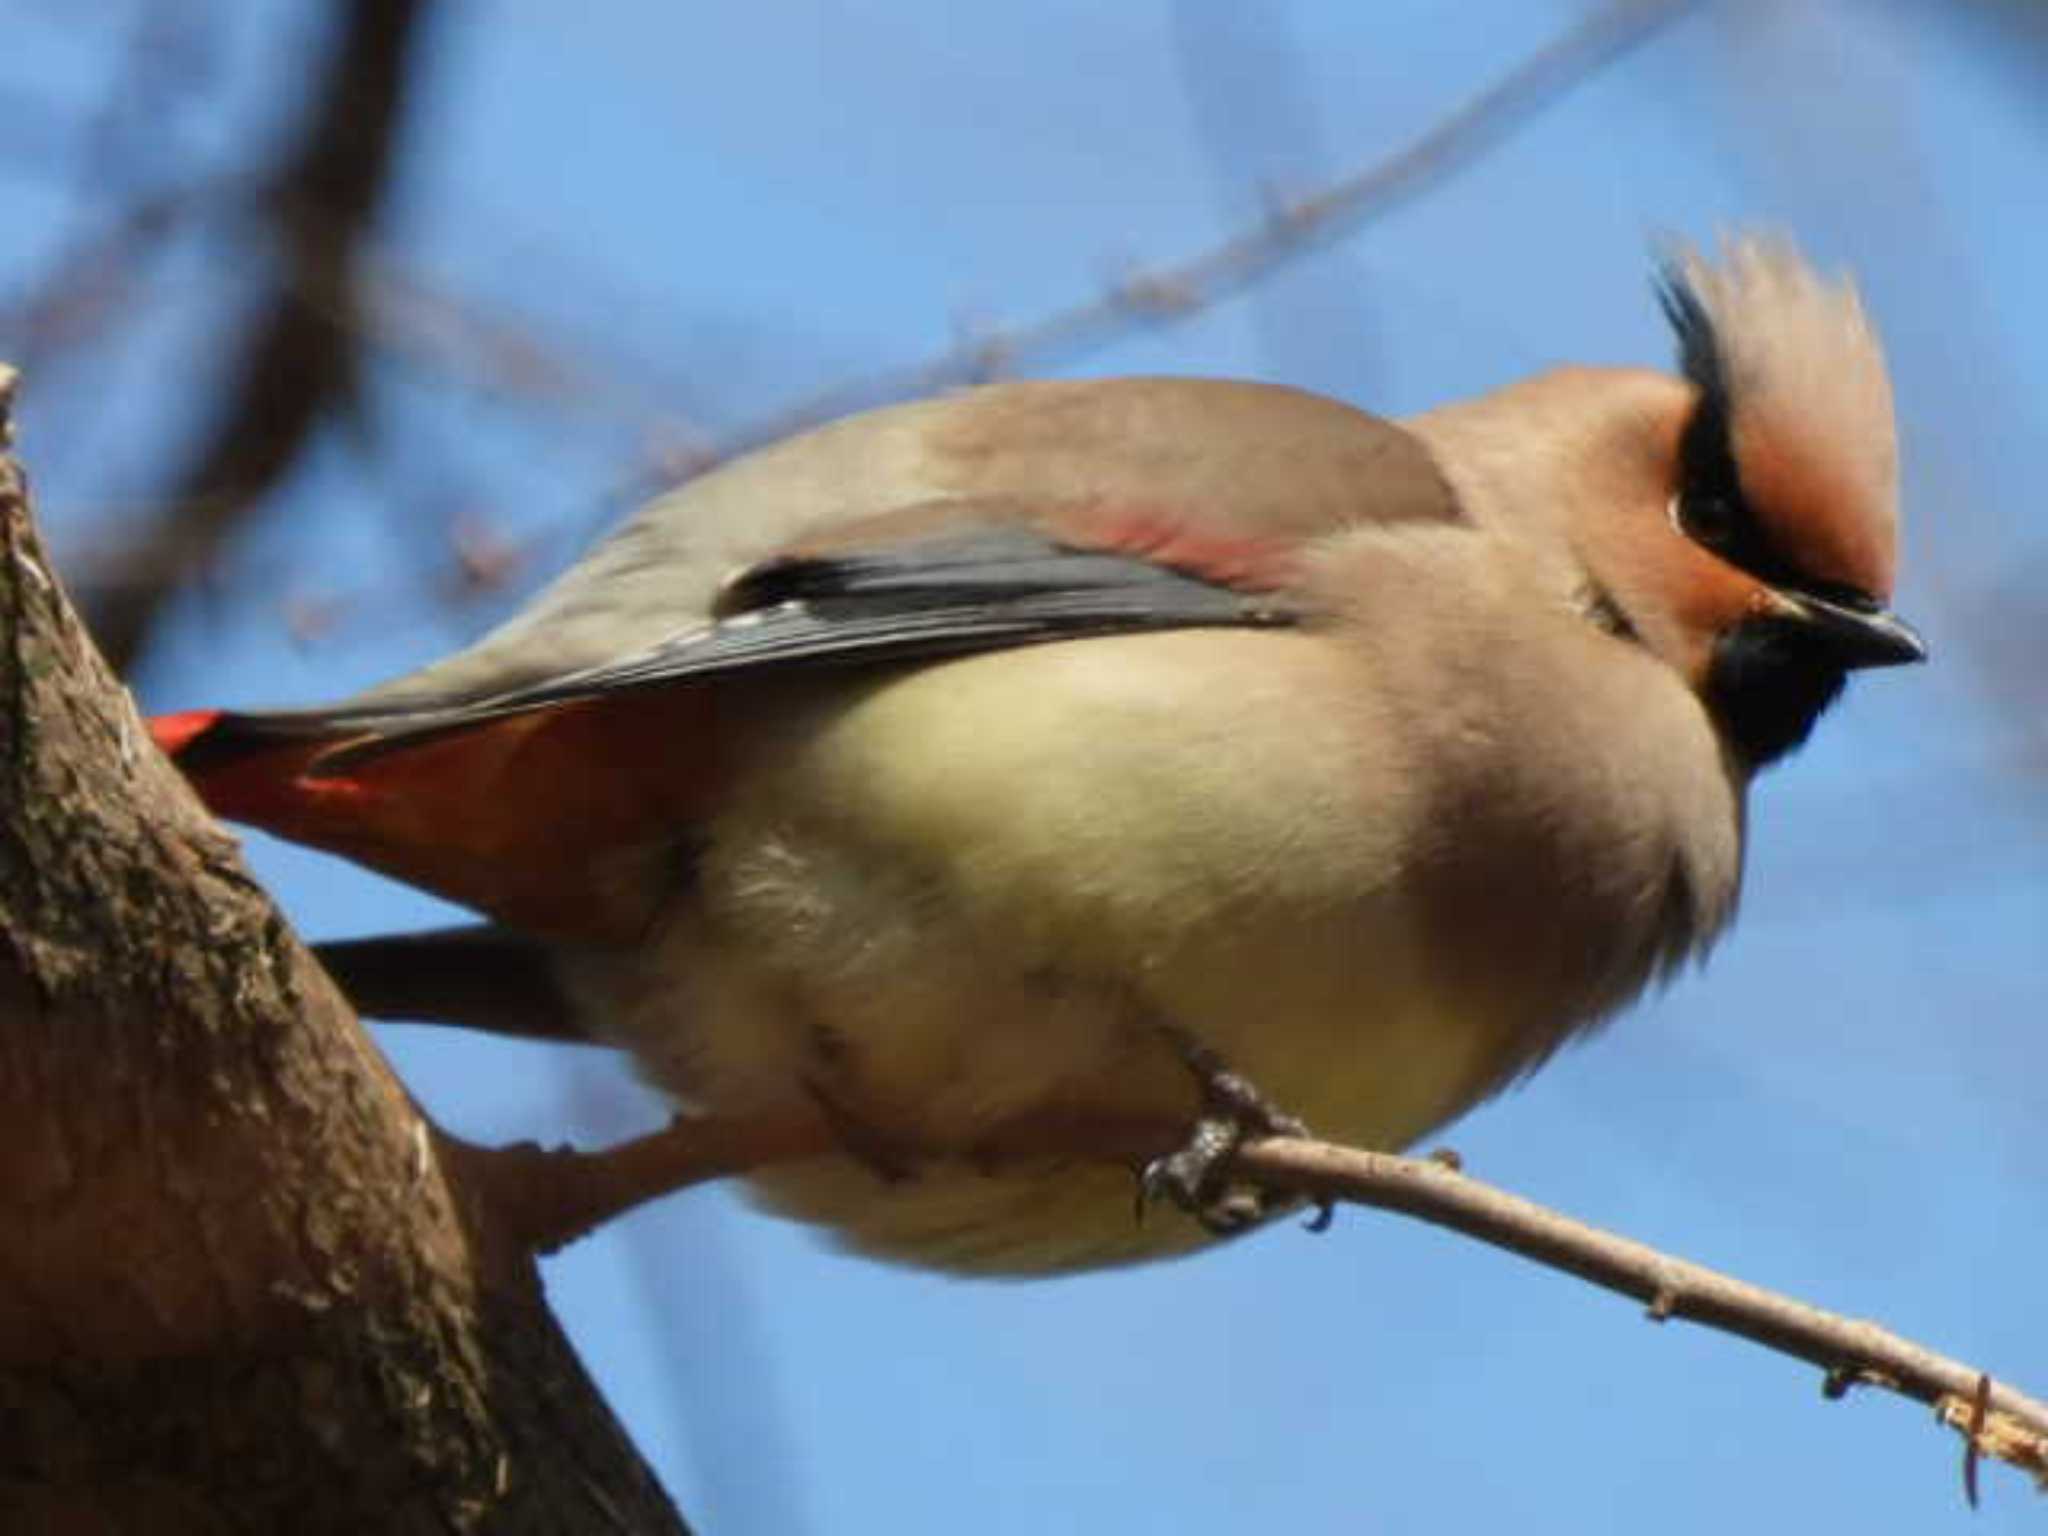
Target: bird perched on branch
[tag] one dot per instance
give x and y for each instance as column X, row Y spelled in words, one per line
column 1157, row 759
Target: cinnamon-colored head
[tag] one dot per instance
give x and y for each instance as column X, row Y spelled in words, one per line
column 1760, row 545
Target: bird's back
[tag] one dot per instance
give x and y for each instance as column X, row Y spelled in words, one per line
column 1225, row 453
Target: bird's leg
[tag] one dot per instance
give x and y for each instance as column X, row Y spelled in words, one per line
column 542, row 1198
column 1192, row 1175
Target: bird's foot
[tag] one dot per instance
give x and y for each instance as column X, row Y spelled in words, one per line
column 1193, row 1175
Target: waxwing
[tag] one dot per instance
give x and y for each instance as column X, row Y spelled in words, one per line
column 1156, row 753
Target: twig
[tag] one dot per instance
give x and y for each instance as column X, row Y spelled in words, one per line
column 1994, row 1420
column 410, row 316
column 548, row 1198
column 1291, row 228
column 398, row 312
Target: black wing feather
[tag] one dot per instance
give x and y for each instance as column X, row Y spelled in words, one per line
column 948, row 595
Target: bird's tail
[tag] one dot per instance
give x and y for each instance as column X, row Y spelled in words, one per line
column 516, row 815
column 252, row 768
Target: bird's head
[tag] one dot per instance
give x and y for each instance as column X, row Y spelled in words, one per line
column 1785, row 478
column 1743, row 519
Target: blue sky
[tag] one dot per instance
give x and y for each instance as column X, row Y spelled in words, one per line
column 718, row 210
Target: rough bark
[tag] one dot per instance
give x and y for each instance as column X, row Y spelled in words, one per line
column 244, row 1289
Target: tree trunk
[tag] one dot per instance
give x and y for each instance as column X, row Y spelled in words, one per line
column 244, row 1289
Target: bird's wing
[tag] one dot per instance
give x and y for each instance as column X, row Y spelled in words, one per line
column 941, row 580
column 1213, row 461
column 491, row 799
column 610, row 713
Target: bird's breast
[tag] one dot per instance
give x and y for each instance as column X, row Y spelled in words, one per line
column 1014, row 863
column 953, row 899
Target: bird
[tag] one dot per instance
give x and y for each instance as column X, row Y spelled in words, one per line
column 1202, row 755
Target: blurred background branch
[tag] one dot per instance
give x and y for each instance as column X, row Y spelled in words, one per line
column 328, row 291
column 296, row 360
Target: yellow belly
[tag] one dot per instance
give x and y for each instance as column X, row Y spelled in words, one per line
column 999, row 917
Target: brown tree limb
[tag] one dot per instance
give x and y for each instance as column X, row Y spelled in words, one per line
column 551, row 1197
column 242, row 1291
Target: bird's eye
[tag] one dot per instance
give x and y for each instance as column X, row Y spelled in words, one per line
column 1710, row 519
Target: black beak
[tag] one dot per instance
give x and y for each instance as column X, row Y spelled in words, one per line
column 1855, row 634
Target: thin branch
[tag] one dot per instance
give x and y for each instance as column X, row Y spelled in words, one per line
column 1292, row 228
column 1994, row 1419
column 95, row 277
column 92, row 277
column 431, row 326
column 552, row 1197
column 298, row 362
column 427, row 325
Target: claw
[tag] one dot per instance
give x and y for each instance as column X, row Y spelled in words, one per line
column 1192, row 1176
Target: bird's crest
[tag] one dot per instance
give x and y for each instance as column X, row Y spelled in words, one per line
column 1792, row 380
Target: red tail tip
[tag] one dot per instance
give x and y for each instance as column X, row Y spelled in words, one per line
column 174, row 733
